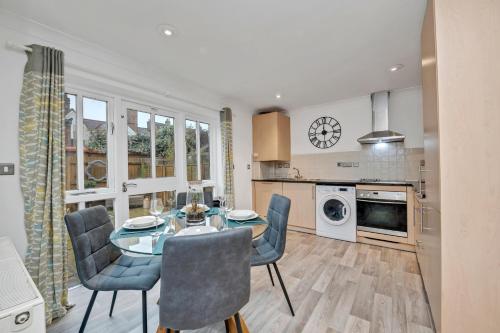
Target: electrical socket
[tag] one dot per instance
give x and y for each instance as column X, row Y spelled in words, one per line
column 6, row 169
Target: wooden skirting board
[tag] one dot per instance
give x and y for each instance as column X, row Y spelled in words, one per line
column 397, row 246
column 300, row 229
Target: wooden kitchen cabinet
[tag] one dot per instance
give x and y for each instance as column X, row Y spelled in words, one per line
column 417, row 215
column 429, row 236
column 303, row 207
column 262, row 193
column 271, row 137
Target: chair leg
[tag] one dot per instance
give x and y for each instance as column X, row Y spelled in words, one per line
column 238, row 322
column 283, row 287
column 113, row 303
column 226, row 323
column 144, row 312
column 270, row 274
column 87, row 313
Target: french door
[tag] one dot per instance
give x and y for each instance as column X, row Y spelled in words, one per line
column 149, row 163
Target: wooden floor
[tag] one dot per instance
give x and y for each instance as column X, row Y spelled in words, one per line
column 334, row 286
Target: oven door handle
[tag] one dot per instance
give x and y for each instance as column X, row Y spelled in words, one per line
column 383, row 202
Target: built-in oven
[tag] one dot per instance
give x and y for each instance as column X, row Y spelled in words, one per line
column 382, row 212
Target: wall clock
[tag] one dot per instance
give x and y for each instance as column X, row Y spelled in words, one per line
column 324, row 132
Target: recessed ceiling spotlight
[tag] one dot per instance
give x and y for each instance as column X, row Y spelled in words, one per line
column 396, row 68
column 166, row 30
column 278, row 96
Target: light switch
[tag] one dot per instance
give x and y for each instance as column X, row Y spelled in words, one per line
column 6, row 169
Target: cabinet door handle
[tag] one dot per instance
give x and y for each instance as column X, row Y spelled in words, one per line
column 421, row 219
column 313, row 192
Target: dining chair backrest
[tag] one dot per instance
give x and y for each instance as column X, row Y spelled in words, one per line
column 89, row 231
column 277, row 216
column 204, row 278
column 208, row 199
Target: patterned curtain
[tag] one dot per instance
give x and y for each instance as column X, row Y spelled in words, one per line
column 42, row 172
column 226, row 124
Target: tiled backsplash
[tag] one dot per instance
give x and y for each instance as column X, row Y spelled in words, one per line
column 385, row 161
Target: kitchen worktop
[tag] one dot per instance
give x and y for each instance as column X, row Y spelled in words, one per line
column 341, row 182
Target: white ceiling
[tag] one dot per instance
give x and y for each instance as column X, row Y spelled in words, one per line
column 311, row 51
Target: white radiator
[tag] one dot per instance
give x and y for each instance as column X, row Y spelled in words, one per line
column 21, row 305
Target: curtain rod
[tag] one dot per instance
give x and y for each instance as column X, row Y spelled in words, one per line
column 17, row 47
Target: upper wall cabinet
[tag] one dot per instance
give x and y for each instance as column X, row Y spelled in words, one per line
column 271, row 137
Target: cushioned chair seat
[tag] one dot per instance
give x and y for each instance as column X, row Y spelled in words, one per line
column 263, row 253
column 128, row 273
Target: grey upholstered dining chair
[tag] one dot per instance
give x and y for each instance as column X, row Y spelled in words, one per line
column 205, row 279
column 269, row 248
column 101, row 266
column 208, row 199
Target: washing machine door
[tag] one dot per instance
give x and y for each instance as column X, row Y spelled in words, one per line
column 335, row 210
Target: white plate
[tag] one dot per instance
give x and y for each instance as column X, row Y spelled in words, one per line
column 200, row 230
column 241, row 213
column 141, row 221
column 139, row 226
column 239, row 218
column 205, row 208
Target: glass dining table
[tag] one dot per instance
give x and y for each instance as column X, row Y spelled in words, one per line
column 150, row 241
column 147, row 243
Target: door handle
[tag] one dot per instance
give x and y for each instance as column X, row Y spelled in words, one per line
column 421, row 219
column 422, row 210
column 126, row 185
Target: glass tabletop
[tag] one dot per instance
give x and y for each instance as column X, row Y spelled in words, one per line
column 145, row 242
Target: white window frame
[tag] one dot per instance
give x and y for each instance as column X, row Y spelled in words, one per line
column 81, row 194
column 212, row 125
column 161, row 111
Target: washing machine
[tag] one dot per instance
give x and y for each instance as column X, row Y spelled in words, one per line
column 336, row 212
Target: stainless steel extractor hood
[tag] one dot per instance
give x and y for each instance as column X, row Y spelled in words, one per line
column 380, row 121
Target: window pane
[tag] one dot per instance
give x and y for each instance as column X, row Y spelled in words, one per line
column 70, row 140
column 139, row 144
column 205, row 151
column 139, row 204
column 95, row 142
column 165, row 147
column 191, row 153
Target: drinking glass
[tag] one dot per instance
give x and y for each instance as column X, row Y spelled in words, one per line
column 156, row 210
column 222, row 212
column 171, row 215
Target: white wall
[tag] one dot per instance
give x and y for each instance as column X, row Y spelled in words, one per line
column 405, row 115
column 90, row 66
column 354, row 116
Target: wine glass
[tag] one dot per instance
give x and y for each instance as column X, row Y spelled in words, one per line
column 171, row 215
column 156, row 210
column 222, row 201
column 222, row 211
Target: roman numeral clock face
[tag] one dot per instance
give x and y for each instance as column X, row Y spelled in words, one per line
column 324, row 132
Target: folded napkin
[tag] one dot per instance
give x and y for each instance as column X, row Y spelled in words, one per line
column 125, row 233
column 235, row 224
